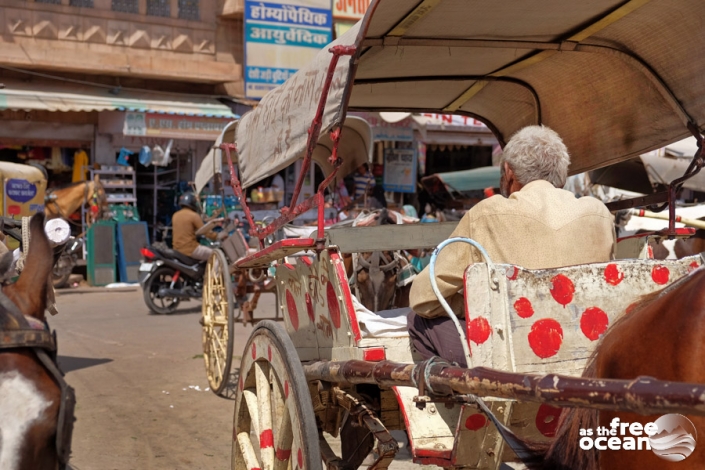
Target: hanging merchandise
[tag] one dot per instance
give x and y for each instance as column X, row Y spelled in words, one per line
column 80, row 162
column 162, row 157
column 145, row 155
column 124, row 157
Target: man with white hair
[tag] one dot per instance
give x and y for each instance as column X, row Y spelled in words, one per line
column 534, row 224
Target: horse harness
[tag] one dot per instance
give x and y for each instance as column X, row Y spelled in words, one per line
column 28, row 332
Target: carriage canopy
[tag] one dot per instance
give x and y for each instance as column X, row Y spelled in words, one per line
column 615, row 79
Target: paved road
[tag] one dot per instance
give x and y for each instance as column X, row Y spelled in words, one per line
column 135, row 377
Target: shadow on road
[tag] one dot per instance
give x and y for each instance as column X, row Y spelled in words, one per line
column 71, row 363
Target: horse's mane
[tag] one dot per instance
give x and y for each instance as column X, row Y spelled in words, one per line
column 70, row 185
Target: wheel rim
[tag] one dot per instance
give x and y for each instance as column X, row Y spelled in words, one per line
column 163, row 277
column 268, row 429
column 217, row 350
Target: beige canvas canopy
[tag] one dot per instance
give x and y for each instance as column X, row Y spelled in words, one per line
column 615, row 79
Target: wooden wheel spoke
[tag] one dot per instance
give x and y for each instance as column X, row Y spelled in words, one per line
column 264, row 402
column 250, row 395
column 248, row 452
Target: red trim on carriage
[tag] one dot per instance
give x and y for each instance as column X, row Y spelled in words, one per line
column 343, row 281
column 374, row 354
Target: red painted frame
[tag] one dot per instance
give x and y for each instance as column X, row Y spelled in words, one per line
column 316, row 201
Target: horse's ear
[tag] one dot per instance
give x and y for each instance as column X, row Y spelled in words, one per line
column 30, row 290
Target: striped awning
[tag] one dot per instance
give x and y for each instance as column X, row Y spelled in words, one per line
column 62, row 96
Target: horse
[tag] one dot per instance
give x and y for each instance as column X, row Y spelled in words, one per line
column 661, row 337
column 375, row 276
column 32, row 392
column 63, row 202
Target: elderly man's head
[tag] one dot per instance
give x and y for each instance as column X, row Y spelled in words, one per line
column 533, row 153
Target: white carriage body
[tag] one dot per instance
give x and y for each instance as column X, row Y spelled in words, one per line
column 536, row 322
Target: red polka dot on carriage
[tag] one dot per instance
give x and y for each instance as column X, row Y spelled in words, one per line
column 309, row 308
column 547, row 419
column 476, row 422
column 292, row 310
column 562, row 289
column 523, row 307
column 660, row 274
column 612, row 274
column 693, row 266
column 512, row 273
column 593, row 323
column 546, row 337
column 333, row 306
column 479, row 330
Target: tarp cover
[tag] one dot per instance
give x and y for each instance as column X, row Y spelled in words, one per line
column 615, row 79
column 469, row 180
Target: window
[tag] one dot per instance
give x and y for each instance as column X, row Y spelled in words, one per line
column 81, row 3
column 55, row 2
column 125, row 6
column 158, row 8
column 188, row 10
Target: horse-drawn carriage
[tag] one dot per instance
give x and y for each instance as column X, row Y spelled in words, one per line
column 614, row 79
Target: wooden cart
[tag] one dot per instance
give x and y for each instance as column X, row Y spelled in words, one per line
column 529, row 332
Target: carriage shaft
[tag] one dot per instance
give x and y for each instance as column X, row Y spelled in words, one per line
column 643, row 395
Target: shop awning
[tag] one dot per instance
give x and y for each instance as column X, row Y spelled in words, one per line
column 60, row 96
column 467, row 180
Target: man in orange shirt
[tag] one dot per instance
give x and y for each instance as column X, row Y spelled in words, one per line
column 185, row 223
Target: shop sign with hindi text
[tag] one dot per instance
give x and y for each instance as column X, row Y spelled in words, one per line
column 280, row 38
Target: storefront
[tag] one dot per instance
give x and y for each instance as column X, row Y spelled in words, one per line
column 70, row 130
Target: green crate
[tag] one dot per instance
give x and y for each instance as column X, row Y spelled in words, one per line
column 101, row 253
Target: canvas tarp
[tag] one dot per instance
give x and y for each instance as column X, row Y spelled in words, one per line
column 615, row 79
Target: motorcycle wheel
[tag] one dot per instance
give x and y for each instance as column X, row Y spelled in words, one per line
column 62, row 272
column 162, row 276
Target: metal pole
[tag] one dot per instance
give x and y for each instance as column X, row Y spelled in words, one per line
column 643, row 395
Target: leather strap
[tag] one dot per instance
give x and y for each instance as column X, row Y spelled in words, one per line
column 27, row 338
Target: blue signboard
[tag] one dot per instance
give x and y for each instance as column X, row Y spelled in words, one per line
column 20, row 190
column 280, row 38
column 400, row 170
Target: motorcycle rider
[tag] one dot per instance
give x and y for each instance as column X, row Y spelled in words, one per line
column 185, row 223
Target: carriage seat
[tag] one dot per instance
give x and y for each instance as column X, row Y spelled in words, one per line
column 169, row 253
column 383, row 324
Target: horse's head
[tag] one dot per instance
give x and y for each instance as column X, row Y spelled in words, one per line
column 29, row 293
column 376, row 279
column 376, row 272
column 29, row 396
column 97, row 198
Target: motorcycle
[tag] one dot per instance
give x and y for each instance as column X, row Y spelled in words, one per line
column 167, row 277
column 67, row 260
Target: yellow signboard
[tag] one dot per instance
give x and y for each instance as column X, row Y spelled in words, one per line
column 22, row 194
column 350, row 9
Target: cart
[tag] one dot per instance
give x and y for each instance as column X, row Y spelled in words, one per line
column 232, row 291
column 529, row 333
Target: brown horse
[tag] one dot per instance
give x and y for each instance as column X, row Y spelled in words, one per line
column 30, row 397
column 662, row 337
column 375, row 274
column 63, row 202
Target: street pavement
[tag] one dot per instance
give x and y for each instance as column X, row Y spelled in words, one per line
column 141, row 388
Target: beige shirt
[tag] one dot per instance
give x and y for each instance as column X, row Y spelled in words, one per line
column 538, row 227
column 184, row 225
